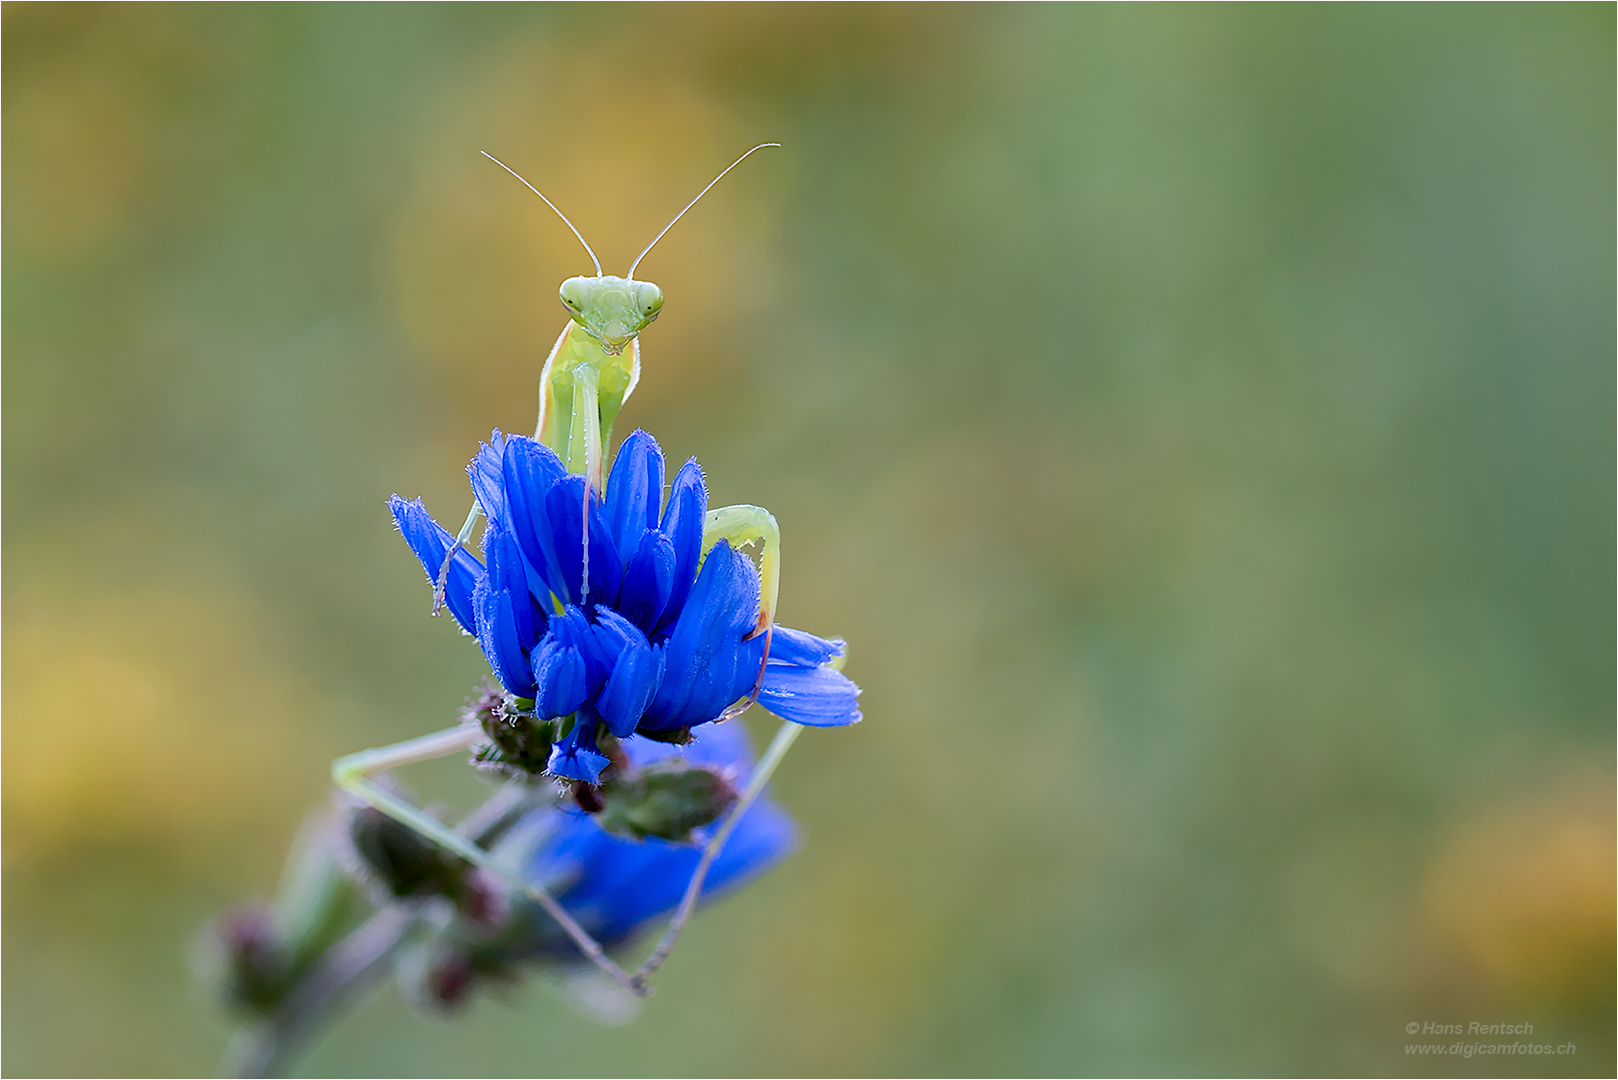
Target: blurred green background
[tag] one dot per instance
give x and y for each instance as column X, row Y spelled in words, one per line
column 1199, row 421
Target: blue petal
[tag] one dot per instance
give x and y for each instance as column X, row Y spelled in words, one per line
column 707, row 664
column 683, row 521
column 508, row 572
column 529, row 471
column 626, row 883
column 485, row 472
column 636, row 673
column 564, row 507
column 497, row 634
column 603, row 640
column 559, row 675
column 575, row 756
column 789, row 646
column 648, row 581
column 429, row 541
column 634, row 492
column 817, row 696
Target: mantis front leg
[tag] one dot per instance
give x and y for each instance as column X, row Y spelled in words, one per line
column 581, row 390
column 353, row 774
column 743, row 524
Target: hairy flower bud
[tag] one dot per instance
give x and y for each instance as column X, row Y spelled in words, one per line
column 441, row 972
column 408, row 865
column 666, row 800
column 243, row 960
column 519, row 745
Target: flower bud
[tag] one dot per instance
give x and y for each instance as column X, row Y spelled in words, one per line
column 441, row 972
column 407, row 864
column 673, row 736
column 666, row 800
column 519, row 746
column 243, row 960
column 447, row 982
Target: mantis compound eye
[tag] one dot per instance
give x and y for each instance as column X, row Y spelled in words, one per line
column 575, row 293
column 650, row 299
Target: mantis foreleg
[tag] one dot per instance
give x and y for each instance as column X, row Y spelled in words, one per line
column 744, row 524
column 581, row 390
column 353, row 773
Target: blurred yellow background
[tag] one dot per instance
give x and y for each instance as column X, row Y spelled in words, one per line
column 1199, row 422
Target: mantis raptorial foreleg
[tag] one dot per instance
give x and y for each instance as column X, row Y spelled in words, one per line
column 582, row 451
column 743, row 524
column 353, row 774
column 581, row 390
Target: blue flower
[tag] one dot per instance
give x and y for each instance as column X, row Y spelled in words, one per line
column 614, row 886
column 606, row 610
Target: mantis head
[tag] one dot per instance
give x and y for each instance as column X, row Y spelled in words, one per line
column 612, row 309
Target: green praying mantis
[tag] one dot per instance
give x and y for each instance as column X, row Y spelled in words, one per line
column 590, row 372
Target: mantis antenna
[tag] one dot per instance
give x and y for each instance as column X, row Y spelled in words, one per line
column 681, row 214
column 574, row 227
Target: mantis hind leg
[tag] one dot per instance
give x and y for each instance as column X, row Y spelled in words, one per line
column 740, row 525
column 353, row 774
column 784, row 738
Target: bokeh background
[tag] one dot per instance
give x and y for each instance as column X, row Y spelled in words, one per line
column 1199, row 421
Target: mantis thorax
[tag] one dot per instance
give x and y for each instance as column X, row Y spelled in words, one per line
column 611, row 309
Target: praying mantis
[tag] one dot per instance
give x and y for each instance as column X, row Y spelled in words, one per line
column 590, row 372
